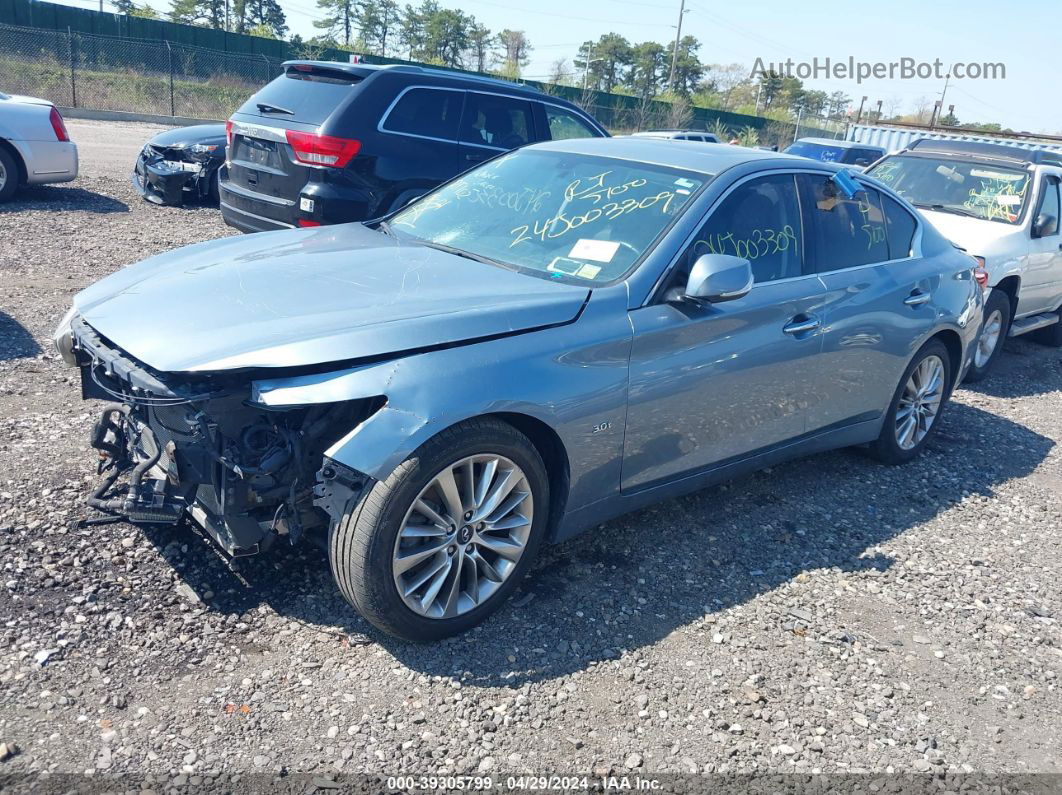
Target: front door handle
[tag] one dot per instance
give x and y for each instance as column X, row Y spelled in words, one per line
column 917, row 298
column 801, row 325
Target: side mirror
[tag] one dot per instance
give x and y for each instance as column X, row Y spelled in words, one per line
column 719, row 277
column 861, row 161
column 1044, row 225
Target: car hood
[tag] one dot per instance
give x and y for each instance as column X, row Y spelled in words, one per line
column 979, row 237
column 183, row 137
column 305, row 297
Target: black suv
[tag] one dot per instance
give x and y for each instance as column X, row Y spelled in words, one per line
column 330, row 142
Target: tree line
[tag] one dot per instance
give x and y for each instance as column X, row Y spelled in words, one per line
column 429, row 33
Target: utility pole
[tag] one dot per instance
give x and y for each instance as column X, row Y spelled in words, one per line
column 877, row 113
column 859, row 114
column 586, row 65
column 674, row 52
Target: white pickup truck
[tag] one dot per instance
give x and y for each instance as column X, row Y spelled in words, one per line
column 1002, row 205
column 34, row 146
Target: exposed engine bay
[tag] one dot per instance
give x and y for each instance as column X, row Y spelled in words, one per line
column 173, row 446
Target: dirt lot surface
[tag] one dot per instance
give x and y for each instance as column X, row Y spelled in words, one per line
column 828, row 615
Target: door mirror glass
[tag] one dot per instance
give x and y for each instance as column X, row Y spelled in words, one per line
column 1044, row 225
column 719, row 277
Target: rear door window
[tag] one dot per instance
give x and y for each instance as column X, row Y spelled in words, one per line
column 303, row 96
column 496, row 121
column 426, row 112
column 843, row 232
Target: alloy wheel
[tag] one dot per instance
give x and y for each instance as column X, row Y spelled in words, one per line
column 920, row 402
column 463, row 536
column 989, row 339
column 3, row 176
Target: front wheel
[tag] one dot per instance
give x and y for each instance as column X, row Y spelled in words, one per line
column 993, row 333
column 439, row 545
column 914, row 413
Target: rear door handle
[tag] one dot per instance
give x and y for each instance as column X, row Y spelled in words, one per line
column 802, row 326
column 917, row 298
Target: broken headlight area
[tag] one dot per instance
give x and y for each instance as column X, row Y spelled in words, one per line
column 172, row 446
column 168, row 175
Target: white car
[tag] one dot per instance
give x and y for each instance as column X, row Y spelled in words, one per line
column 1002, row 204
column 35, row 147
column 679, row 135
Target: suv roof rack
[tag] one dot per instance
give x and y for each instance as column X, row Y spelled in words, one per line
column 993, row 151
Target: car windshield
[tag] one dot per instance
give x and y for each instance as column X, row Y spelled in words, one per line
column 987, row 192
column 828, row 154
column 554, row 214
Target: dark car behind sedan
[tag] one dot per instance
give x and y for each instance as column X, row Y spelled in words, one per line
column 330, row 142
column 181, row 164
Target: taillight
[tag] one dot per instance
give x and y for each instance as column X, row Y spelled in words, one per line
column 228, row 133
column 980, row 274
column 58, row 125
column 306, row 222
column 322, row 150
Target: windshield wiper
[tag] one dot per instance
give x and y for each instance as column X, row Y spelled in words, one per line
column 267, row 108
column 386, row 228
column 948, row 208
column 460, row 252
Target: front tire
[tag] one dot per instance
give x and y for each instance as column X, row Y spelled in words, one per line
column 441, row 543
column 914, row 413
column 990, row 341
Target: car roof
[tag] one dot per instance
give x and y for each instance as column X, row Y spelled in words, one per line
column 661, row 133
column 838, row 143
column 986, row 150
column 365, row 69
column 705, row 158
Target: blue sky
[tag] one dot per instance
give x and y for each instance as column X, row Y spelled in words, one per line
column 1022, row 36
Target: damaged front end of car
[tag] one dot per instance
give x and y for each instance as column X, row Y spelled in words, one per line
column 175, row 445
column 175, row 166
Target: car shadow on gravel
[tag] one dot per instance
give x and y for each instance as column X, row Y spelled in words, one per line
column 1023, row 368
column 664, row 569
column 57, row 198
column 15, row 341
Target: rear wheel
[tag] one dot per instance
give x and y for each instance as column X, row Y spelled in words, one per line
column 439, row 545
column 993, row 333
column 914, row 413
column 8, row 175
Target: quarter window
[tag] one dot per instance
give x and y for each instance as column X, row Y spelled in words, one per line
column 759, row 221
column 900, row 227
column 426, row 111
column 843, row 232
column 564, row 124
column 496, row 121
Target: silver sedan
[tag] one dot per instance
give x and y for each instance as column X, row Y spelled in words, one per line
column 35, row 147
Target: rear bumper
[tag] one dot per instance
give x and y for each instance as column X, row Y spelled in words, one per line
column 317, row 203
column 48, row 161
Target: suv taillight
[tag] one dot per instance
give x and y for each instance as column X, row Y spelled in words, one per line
column 322, row 150
column 58, row 125
column 228, row 133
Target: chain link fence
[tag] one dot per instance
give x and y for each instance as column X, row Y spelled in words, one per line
column 82, row 70
column 107, row 73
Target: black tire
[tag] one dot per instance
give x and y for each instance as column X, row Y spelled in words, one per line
column 886, row 448
column 11, row 174
column 362, row 544
column 998, row 301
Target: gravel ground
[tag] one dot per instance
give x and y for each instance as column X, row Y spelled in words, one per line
column 828, row 615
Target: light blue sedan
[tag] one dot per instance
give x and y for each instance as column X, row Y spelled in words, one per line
column 566, row 333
